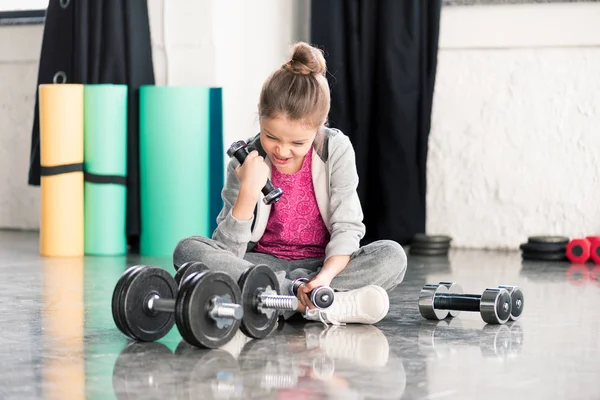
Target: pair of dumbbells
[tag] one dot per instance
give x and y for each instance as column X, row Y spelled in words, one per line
column 207, row 306
column 495, row 305
column 581, row 250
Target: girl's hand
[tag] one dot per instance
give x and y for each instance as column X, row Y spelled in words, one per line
column 253, row 173
column 304, row 290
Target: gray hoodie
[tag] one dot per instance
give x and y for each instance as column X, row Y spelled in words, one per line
column 335, row 180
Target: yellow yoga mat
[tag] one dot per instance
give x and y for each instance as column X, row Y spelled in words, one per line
column 61, row 159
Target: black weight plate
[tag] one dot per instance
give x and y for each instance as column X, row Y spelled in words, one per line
column 432, row 246
column 187, row 269
column 117, row 313
column 194, row 317
column 424, row 238
column 184, row 290
column 143, row 325
column 543, row 247
column 548, row 239
column 428, row 252
column 143, row 370
column 254, row 323
column 558, row 256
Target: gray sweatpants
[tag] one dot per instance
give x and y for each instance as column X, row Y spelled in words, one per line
column 381, row 263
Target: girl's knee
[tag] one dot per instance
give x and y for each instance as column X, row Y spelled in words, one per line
column 392, row 261
column 191, row 248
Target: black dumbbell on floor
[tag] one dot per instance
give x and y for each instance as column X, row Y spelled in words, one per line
column 146, row 303
column 261, row 300
column 240, row 152
column 322, row 297
column 436, row 302
column 516, row 296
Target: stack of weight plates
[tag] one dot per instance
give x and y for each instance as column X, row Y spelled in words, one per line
column 430, row 245
column 545, row 248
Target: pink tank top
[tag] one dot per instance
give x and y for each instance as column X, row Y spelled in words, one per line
column 295, row 229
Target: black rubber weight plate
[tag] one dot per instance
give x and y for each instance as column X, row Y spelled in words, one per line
column 187, row 269
column 201, row 329
column 423, row 238
column 549, row 239
column 428, row 252
column 559, row 256
column 543, row 247
column 254, row 323
column 432, row 246
column 143, row 325
column 182, row 323
column 118, row 292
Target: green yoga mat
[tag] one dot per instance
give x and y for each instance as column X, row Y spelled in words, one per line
column 105, row 160
column 174, row 166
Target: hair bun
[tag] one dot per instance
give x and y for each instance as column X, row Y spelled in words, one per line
column 306, row 60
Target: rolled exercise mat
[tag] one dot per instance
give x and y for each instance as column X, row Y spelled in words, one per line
column 216, row 156
column 105, row 166
column 61, row 159
column 174, row 166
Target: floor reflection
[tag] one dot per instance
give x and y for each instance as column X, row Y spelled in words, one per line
column 297, row 361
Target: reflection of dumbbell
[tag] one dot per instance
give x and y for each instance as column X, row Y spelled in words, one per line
column 322, row 296
column 239, row 151
column 146, row 303
column 516, row 296
column 260, row 297
column 495, row 341
column 436, row 302
column 581, row 250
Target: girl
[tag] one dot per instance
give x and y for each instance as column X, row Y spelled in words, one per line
column 314, row 230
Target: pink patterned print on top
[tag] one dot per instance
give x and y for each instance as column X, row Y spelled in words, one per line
column 295, row 229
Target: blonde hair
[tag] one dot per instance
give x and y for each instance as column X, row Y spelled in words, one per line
column 298, row 89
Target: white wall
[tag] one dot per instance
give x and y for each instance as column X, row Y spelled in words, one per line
column 515, row 138
column 19, row 203
column 233, row 44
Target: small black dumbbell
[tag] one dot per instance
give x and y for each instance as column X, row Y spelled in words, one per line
column 516, row 296
column 239, row 151
column 322, row 297
column 146, row 303
column 494, row 304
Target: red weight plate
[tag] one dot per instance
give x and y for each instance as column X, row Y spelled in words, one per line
column 578, row 250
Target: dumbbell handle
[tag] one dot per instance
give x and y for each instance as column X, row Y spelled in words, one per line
column 218, row 309
column 457, row 301
column 240, row 152
column 277, row 302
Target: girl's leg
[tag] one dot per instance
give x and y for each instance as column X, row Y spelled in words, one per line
column 218, row 258
column 382, row 263
column 362, row 286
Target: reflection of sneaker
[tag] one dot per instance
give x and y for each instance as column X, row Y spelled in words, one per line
column 364, row 345
column 366, row 305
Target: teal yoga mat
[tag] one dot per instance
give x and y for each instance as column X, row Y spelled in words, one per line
column 105, row 169
column 174, row 166
column 217, row 155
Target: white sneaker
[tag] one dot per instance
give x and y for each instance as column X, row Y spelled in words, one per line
column 366, row 305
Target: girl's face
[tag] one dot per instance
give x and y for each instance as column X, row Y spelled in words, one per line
column 286, row 142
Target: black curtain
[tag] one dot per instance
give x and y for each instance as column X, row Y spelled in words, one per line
column 381, row 57
column 98, row 41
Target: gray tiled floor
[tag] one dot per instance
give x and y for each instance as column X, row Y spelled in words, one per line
column 59, row 340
